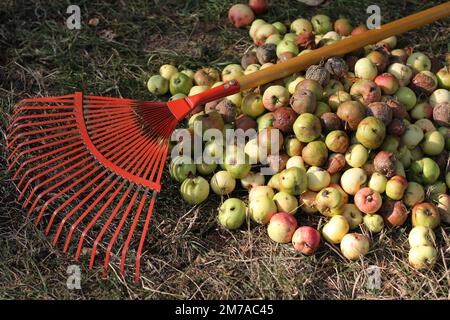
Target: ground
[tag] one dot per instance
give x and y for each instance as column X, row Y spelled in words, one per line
column 188, row 255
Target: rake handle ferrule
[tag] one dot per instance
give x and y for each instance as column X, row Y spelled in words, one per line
column 181, row 107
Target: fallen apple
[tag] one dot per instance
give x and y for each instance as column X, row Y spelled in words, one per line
column 252, row 179
column 282, row 227
column 315, row 153
column 232, row 72
column 275, row 97
column 260, row 191
column 241, row 15
column 368, row 201
column 223, row 183
column 306, row 240
column 182, row 167
column 232, row 213
column 343, row 26
column 421, row 236
column 356, row 155
column 329, row 202
column 414, row 194
column 402, row 72
column 422, row 257
column 394, row 213
column 352, row 214
column 419, row 62
column 194, row 190
column 433, row 143
column 443, row 206
column 335, row 229
column 424, row 171
column 286, row 202
column 425, row 214
column 262, row 209
column 387, row 82
column 371, row 132
column 352, row 180
column 293, row 181
column 396, row 187
column 167, row 71
column 378, row 182
column 355, row 246
column 321, row 24
column 157, row 85
column 307, row 127
column 301, row 25
column 365, row 69
column 373, row 222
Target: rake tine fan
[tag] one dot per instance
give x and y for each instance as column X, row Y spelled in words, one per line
column 94, row 164
column 90, row 154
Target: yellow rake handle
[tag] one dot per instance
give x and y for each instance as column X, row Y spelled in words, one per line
column 342, row 47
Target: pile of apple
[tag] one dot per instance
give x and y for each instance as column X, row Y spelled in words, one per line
column 363, row 140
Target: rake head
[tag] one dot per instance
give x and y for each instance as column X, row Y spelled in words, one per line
column 90, row 167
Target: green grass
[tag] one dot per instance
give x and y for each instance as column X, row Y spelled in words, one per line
column 187, row 256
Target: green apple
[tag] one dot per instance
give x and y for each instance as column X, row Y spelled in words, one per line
column 280, row 27
column 232, row 72
column 337, row 141
column 252, row 179
column 301, row 25
column 434, row 190
column 252, row 68
column 373, row 222
column 425, row 171
column 318, row 178
column 421, row 236
column 180, row 83
column 197, row 89
column 343, row 26
column 205, row 169
column 190, row 73
column 294, row 83
column 157, row 85
column 232, row 213
column 293, row 146
column 182, row 167
column 407, row 97
column 332, row 87
column 425, row 214
column 371, row 132
column 321, row 24
column 433, row 143
column 293, row 181
column 335, row 229
column 422, row 257
column 396, row 187
column 353, row 215
column 260, row 191
column 194, row 190
column 261, row 209
column 321, row 108
column 286, row 46
column 412, row 136
column 307, row 127
column 378, row 182
column 419, row 62
column 177, row 96
column 236, row 162
column 167, row 71
column 315, row 153
column 290, row 36
column 329, row 202
column 356, row 156
column 223, row 183
column 296, row 161
column 439, row 96
column 285, row 202
column 252, row 150
column 352, row 180
column 355, row 246
column 254, row 26
column 264, row 121
column 443, row 77
column 365, row 69
column 414, row 193
column 402, row 72
column 274, row 182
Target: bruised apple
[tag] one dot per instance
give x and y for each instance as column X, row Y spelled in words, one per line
column 306, row 240
column 354, row 246
column 368, row 200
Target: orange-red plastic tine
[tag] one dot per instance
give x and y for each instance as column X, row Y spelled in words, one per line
column 78, row 206
column 43, row 138
column 34, row 132
column 106, row 225
column 83, row 215
column 119, row 227
column 50, row 144
column 75, row 195
column 131, row 232
column 63, row 191
column 55, row 176
column 143, row 236
column 72, row 149
column 59, row 183
column 37, row 123
column 93, row 221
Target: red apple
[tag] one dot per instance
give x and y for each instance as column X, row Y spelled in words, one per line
column 258, row 6
column 240, row 15
column 306, row 240
column 387, row 83
column 368, row 200
column 359, row 29
column 281, row 227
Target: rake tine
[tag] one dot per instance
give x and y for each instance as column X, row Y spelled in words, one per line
column 46, row 155
column 37, row 123
column 118, row 229
column 74, row 196
column 79, row 205
column 64, row 191
column 106, row 225
column 34, row 132
column 143, row 236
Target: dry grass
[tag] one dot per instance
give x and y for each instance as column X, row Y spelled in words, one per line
column 187, row 256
